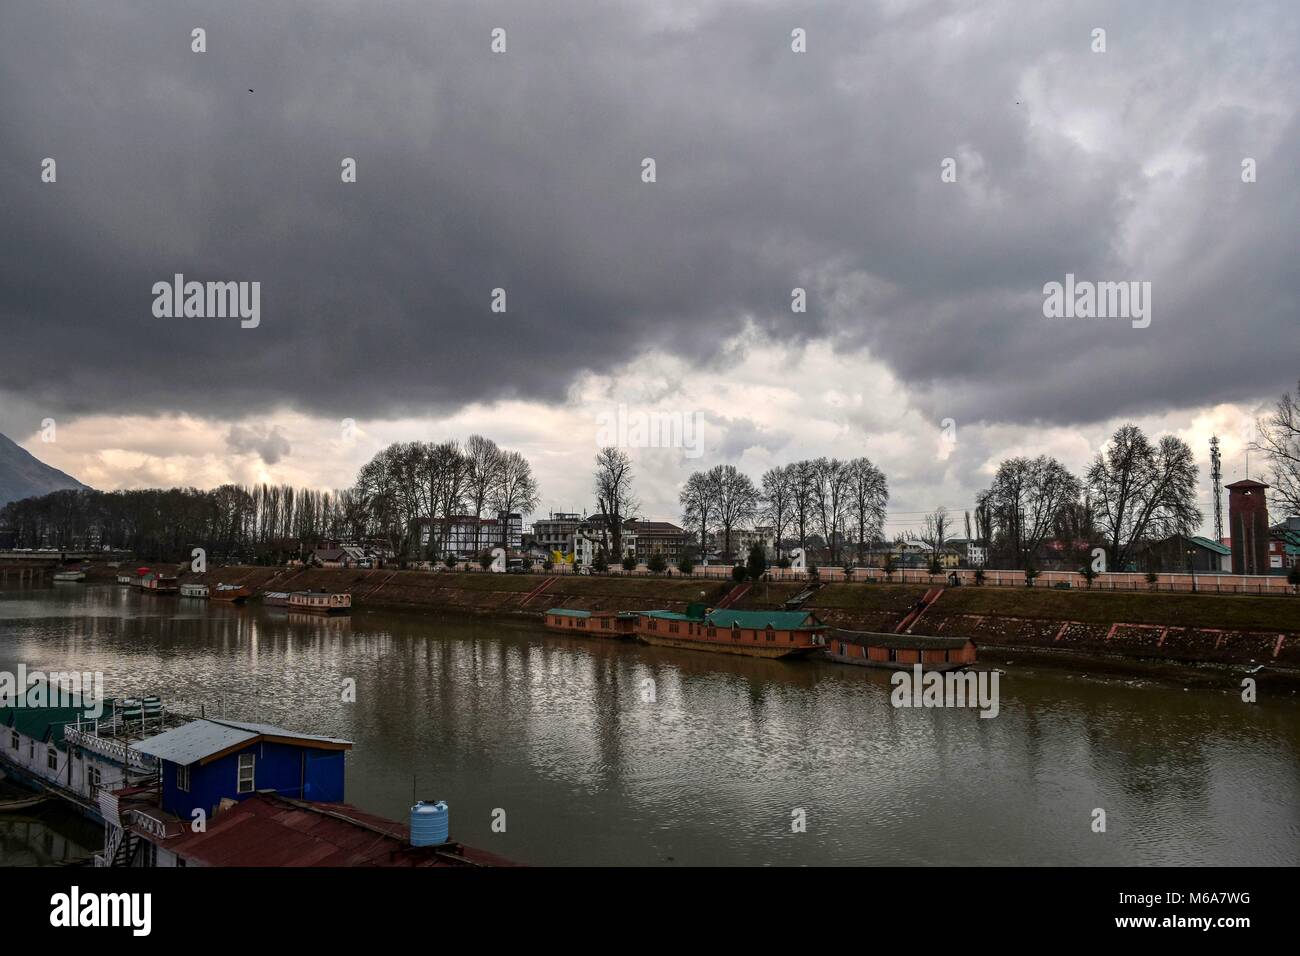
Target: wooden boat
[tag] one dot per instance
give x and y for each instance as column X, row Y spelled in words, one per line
column 234, row 593
column 275, row 598
column 618, row 625
column 321, row 602
column 724, row 631
column 160, row 584
column 24, row 803
column 194, row 590
column 900, row 651
column 69, row 576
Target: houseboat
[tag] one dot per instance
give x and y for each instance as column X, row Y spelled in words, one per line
column 126, row 579
column 900, row 651
column 724, row 631
column 619, row 625
column 234, row 593
column 320, row 602
column 160, row 584
column 275, row 598
column 69, row 576
column 194, row 590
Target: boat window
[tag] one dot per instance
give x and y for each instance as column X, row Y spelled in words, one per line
column 183, row 778
column 246, row 766
column 13, row 739
column 52, row 759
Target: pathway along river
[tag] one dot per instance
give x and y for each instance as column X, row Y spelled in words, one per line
column 556, row 732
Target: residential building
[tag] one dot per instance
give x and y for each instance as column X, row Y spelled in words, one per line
column 656, row 537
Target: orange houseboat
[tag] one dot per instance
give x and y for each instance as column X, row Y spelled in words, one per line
column 620, row 625
column 320, row 602
column 901, row 651
column 752, row 633
column 235, row 593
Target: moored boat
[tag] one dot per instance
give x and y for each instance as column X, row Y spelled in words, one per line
column 900, row 651
column 618, row 625
column 275, row 598
column 70, row 576
column 194, row 590
column 160, row 583
column 234, row 593
column 126, row 579
column 724, row 631
column 321, row 602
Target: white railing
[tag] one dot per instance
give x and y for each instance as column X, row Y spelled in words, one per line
column 108, row 747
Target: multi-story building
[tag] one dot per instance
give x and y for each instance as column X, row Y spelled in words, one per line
column 555, row 531
column 467, row 535
column 656, row 537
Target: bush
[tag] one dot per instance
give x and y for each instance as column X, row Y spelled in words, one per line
column 548, row 563
column 450, row 561
column 685, row 565
column 936, row 567
column 485, row 560
column 1088, row 573
column 756, row 565
column 657, row 564
column 600, row 562
column 979, row 575
column 738, row 573
column 629, row 563
column 1030, row 574
column 1152, row 578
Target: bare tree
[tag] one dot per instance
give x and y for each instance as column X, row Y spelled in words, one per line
column 938, row 528
column 1025, row 501
column 736, row 504
column 777, row 501
column 1279, row 440
column 831, row 499
column 697, row 500
column 802, row 501
column 1138, row 490
column 515, row 489
column 614, row 495
column 868, row 493
column 483, row 457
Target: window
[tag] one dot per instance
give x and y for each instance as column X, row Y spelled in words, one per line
column 13, row 740
column 93, row 778
column 245, row 783
column 183, row 778
column 52, row 759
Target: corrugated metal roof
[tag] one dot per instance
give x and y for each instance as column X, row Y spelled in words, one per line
column 567, row 612
column 203, row 738
column 781, row 620
column 192, row 742
column 1211, row 545
column 268, row 730
column 267, row 830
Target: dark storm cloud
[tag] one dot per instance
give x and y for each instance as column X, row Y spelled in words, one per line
column 269, row 444
column 521, row 171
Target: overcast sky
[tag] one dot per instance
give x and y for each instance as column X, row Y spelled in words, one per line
column 522, row 170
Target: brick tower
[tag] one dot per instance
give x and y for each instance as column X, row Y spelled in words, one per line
column 1248, row 526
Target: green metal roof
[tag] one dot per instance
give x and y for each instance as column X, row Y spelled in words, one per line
column 45, row 724
column 567, row 612
column 1210, row 545
column 780, row 620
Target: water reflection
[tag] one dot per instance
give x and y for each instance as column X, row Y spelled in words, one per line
column 556, row 732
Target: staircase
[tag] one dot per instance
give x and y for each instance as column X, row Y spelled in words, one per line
column 119, row 847
column 734, row 595
column 905, row 625
column 537, row 590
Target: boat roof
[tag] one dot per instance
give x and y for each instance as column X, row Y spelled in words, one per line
column 911, row 642
column 45, row 723
column 205, row 739
column 568, row 612
column 726, row 617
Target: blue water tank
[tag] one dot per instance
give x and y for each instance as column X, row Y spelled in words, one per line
column 430, row 825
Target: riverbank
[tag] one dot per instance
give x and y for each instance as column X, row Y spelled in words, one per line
column 1078, row 626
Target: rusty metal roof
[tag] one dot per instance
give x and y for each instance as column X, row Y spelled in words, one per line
column 268, row 830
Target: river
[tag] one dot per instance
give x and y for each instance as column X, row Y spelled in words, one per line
column 713, row 762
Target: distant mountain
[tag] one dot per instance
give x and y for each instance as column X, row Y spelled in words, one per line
column 22, row 476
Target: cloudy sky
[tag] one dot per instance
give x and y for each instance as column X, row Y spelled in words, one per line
column 522, row 171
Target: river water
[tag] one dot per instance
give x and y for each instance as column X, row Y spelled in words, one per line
column 559, row 734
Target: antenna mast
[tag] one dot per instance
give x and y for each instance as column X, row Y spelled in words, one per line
column 1216, row 473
